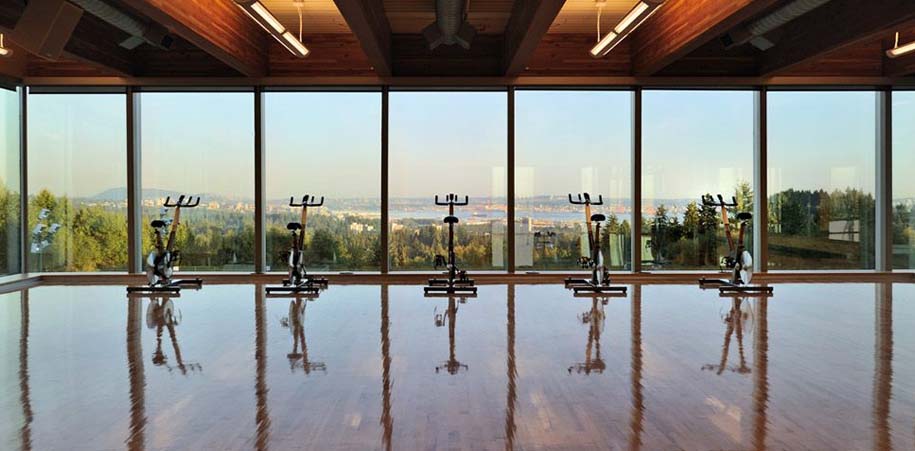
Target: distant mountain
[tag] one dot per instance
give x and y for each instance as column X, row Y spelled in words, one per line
column 119, row 194
column 115, row 194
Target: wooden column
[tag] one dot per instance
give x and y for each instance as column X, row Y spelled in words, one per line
column 760, row 177
column 260, row 196
column 510, row 191
column 24, row 232
column 134, row 184
column 637, row 180
column 384, row 181
column 883, row 236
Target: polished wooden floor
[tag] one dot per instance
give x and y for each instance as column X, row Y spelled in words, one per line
column 527, row 367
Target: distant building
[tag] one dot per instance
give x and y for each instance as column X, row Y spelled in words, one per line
column 524, row 243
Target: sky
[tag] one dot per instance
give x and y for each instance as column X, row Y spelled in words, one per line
column 566, row 141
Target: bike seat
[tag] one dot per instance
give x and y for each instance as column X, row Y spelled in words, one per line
column 451, row 220
column 744, row 216
column 158, row 223
column 598, row 218
column 293, row 226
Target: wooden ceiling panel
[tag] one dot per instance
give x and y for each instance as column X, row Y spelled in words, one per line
column 183, row 59
column 568, row 55
column 220, row 28
column 411, row 16
column 37, row 66
column 332, row 54
column 318, row 16
column 682, row 26
column 864, row 59
column 580, row 16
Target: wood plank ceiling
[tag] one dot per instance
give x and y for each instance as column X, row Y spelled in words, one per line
column 365, row 38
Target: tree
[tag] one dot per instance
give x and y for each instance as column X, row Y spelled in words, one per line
column 691, row 220
column 708, row 235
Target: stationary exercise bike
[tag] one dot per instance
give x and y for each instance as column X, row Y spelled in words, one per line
column 299, row 282
column 599, row 283
column 161, row 262
column 738, row 261
column 457, row 281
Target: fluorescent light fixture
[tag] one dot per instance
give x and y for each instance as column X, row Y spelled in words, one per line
column 3, row 50
column 641, row 11
column 272, row 25
column 595, row 52
column 267, row 17
column 295, row 43
column 634, row 14
column 898, row 50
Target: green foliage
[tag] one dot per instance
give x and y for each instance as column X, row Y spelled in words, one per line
column 94, row 237
column 9, row 230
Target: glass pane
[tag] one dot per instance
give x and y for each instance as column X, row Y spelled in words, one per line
column 571, row 142
column 77, row 182
column 694, row 143
column 201, row 144
column 903, row 182
column 440, row 143
column 822, row 149
column 325, row 144
column 9, row 182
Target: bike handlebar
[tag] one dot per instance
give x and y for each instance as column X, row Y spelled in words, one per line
column 183, row 202
column 585, row 199
column 452, row 199
column 307, row 201
column 709, row 201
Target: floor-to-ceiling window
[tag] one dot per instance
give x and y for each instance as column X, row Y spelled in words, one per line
column 694, row 144
column 822, row 151
column 325, row 144
column 571, row 142
column 201, row 144
column 10, row 166
column 440, row 143
column 77, row 182
column 903, row 204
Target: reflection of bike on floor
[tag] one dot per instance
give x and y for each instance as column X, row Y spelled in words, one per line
column 738, row 321
column 594, row 318
column 162, row 315
column 452, row 365
column 295, row 322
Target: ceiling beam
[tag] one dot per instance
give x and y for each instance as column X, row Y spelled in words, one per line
column 529, row 22
column 832, row 26
column 368, row 21
column 681, row 26
column 219, row 28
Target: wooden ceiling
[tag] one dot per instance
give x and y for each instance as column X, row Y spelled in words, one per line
column 580, row 16
column 318, row 16
column 381, row 39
